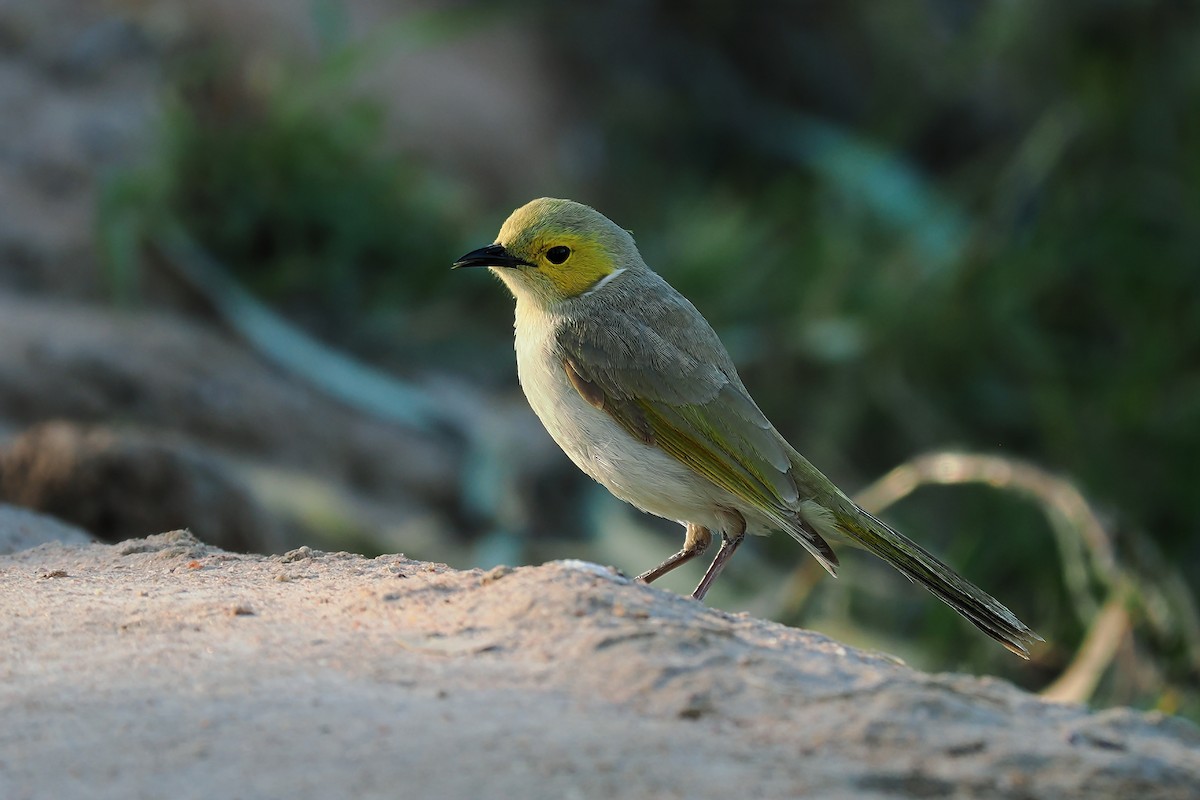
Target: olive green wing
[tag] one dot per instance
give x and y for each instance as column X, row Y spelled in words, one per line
column 674, row 387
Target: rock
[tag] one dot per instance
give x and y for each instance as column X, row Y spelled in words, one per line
column 314, row 674
column 120, row 485
column 62, row 360
column 21, row 529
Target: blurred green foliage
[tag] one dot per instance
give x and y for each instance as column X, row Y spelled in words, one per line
column 916, row 224
column 287, row 175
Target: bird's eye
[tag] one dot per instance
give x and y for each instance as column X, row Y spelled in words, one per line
column 559, row 254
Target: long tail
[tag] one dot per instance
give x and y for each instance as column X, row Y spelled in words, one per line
column 921, row 566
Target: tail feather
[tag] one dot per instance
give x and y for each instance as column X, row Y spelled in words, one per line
column 920, row 566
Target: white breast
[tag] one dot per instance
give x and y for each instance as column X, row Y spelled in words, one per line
column 638, row 473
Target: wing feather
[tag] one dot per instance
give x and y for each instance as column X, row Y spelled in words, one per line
column 676, row 383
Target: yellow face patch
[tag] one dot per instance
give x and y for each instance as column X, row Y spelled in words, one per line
column 571, row 262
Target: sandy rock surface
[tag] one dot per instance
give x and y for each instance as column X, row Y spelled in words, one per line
column 162, row 667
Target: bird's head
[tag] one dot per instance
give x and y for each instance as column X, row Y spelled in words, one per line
column 552, row 250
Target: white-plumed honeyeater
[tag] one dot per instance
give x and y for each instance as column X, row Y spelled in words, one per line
column 637, row 389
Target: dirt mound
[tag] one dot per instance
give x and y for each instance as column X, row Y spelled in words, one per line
column 326, row 674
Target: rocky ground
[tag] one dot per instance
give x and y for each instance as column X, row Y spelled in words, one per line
column 163, row 667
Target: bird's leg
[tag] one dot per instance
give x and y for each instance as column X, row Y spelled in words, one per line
column 724, row 553
column 697, row 541
column 730, row 541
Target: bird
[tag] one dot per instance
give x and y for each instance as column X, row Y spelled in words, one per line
column 633, row 384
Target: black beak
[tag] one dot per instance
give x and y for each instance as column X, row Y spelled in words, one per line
column 494, row 255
